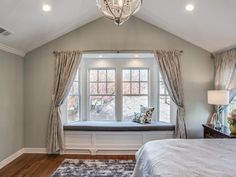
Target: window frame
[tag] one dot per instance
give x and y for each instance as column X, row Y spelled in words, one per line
column 122, row 81
column 79, row 96
column 88, row 89
column 172, row 105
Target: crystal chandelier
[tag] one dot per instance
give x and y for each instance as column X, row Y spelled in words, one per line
column 119, row 10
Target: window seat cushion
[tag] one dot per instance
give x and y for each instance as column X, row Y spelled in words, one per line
column 117, row 126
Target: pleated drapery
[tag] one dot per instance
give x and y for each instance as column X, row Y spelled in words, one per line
column 65, row 70
column 170, row 70
column 225, row 75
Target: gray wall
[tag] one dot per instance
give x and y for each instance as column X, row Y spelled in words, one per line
column 102, row 34
column 11, row 104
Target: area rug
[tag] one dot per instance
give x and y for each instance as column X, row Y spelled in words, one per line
column 95, row 168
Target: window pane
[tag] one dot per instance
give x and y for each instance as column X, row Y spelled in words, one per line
column 93, row 88
column 232, row 105
column 135, row 88
column 132, row 104
column 102, row 75
column 111, row 88
column 164, row 108
column 143, row 88
column 74, row 88
column 163, row 88
column 126, row 88
column 93, row 75
column 126, row 75
column 135, row 75
column 73, row 108
column 102, row 88
column 102, row 107
column 110, row 75
column 144, row 75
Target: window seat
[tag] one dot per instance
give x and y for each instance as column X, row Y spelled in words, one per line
column 117, row 126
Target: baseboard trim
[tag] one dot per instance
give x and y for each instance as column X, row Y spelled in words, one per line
column 35, row 150
column 87, row 151
column 12, row 157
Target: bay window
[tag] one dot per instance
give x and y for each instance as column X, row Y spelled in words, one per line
column 113, row 87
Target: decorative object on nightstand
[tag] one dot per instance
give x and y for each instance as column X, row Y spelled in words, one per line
column 232, row 121
column 218, row 98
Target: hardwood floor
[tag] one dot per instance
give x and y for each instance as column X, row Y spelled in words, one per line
column 42, row 165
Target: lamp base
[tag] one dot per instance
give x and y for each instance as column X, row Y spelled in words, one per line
column 218, row 125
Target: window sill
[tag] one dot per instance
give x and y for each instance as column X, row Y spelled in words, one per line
column 117, row 126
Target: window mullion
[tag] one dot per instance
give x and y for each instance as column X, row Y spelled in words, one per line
column 98, row 81
column 119, row 99
column 130, row 81
column 106, row 81
column 139, row 82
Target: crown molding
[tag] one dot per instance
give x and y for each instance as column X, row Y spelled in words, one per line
column 11, row 50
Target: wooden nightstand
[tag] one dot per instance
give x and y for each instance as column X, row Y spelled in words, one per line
column 211, row 132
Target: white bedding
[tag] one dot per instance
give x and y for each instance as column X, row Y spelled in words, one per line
column 187, row 158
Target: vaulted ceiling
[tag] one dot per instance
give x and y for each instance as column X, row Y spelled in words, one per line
column 211, row 26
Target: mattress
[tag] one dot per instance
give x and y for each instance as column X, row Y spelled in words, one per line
column 187, row 158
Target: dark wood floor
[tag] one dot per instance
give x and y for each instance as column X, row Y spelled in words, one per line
column 42, row 165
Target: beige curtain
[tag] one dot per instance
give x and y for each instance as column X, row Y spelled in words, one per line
column 65, row 71
column 225, row 74
column 225, row 70
column 169, row 65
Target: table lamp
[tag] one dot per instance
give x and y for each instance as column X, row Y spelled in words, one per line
column 218, row 98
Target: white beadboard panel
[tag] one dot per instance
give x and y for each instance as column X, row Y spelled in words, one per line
column 118, row 139
column 109, row 142
column 83, row 138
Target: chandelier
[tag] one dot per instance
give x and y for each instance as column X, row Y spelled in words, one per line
column 119, row 10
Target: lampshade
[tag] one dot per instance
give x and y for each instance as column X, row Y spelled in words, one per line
column 218, row 97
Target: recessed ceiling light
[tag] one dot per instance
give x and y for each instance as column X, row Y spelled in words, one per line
column 46, row 8
column 100, row 56
column 136, row 56
column 189, row 7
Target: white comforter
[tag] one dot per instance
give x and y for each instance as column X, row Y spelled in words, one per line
column 187, row 158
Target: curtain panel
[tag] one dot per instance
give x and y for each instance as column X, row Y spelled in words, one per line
column 225, row 75
column 170, row 69
column 65, row 70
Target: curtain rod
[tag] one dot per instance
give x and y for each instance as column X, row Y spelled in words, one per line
column 118, row 51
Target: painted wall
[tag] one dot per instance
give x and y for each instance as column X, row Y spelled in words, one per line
column 11, row 104
column 102, row 34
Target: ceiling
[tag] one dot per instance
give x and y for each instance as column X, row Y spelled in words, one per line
column 211, row 26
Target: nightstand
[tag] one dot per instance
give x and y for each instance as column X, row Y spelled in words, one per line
column 211, row 132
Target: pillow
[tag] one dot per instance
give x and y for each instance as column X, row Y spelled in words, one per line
column 139, row 118
column 145, row 115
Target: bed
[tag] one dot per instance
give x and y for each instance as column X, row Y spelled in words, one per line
column 187, row 158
